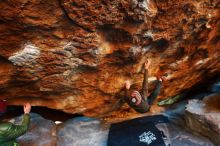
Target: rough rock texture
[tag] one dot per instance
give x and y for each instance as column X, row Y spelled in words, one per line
column 82, row 131
column 75, row 55
column 203, row 117
column 42, row 132
column 179, row 136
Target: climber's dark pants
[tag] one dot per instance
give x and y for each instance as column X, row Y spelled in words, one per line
column 155, row 93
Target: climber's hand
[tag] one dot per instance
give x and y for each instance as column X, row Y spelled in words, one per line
column 27, row 108
column 127, row 85
column 147, row 64
column 161, row 79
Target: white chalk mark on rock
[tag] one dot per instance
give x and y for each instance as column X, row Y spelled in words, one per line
column 200, row 62
column 25, row 56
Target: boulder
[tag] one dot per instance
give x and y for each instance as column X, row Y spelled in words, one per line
column 42, row 132
column 203, row 117
column 75, row 56
column 82, row 131
column 179, row 136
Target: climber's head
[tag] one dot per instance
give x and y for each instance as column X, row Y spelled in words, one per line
column 3, row 106
column 136, row 98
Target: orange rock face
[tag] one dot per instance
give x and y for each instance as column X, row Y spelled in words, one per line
column 76, row 55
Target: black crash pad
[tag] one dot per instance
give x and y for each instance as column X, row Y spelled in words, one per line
column 137, row 132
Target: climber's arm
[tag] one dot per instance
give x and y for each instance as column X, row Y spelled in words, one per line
column 145, row 84
column 145, row 81
column 17, row 130
column 127, row 87
column 121, row 99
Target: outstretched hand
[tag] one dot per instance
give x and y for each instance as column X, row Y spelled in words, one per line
column 159, row 78
column 147, row 64
column 27, row 108
column 127, row 84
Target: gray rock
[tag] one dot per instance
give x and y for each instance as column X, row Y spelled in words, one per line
column 203, row 117
column 215, row 88
column 42, row 132
column 82, row 131
column 178, row 136
column 25, row 56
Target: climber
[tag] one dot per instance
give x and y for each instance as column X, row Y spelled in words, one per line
column 140, row 101
column 9, row 132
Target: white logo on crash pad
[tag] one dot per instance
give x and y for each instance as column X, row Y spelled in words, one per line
column 147, row 137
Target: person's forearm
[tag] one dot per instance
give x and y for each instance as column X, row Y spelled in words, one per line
column 18, row 130
column 26, row 120
column 126, row 92
column 145, row 83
